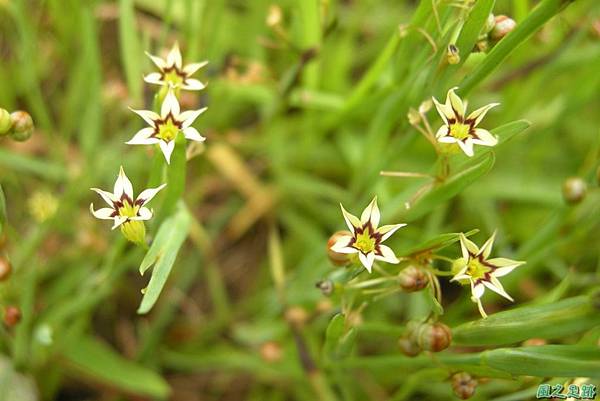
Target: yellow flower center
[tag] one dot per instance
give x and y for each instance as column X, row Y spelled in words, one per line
column 460, row 131
column 128, row 210
column 476, row 269
column 173, row 78
column 168, row 130
column 364, row 242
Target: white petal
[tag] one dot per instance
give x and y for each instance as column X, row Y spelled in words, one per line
column 147, row 195
column 442, row 132
column 174, row 56
column 190, row 69
column 467, row 147
column 154, row 78
column 496, row 286
column 477, row 290
column 388, row 230
column 478, row 114
column 167, row 149
column 188, row 117
column 455, row 102
column 147, row 115
column 485, row 138
column 351, row 220
column 480, row 307
column 367, row 260
column 486, row 249
column 443, row 110
column 170, row 105
column 143, row 214
column 505, row 266
column 387, row 255
column 104, row 213
column 118, row 221
column 193, row 84
column 371, row 214
column 107, row 196
column 448, row 139
column 159, row 62
column 466, row 246
column 123, row 185
column 192, row 134
column 142, row 137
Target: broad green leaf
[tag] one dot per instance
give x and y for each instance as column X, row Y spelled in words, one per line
column 546, row 360
column 538, row 17
column 555, row 320
column 333, row 334
column 101, row 363
column 2, row 210
column 450, row 188
column 162, row 255
column 131, row 49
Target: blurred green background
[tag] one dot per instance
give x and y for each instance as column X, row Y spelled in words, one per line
column 307, row 103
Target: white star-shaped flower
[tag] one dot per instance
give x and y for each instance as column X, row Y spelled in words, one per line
column 122, row 206
column 480, row 272
column 173, row 73
column 460, row 130
column 366, row 239
column 164, row 127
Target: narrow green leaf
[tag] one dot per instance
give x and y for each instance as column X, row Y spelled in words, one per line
column 2, row 210
column 130, row 48
column 162, row 255
column 538, row 17
column 450, row 188
column 333, row 335
column 98, row 361
column 176, row 171
column 555, row 320
column 434, row 304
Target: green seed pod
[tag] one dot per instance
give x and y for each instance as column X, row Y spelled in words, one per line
column 5, row 122
column 5, row 268
column 434, row 337
column 574, row 190
column 22, row 126
column 503, row 26
column 338, row 259
column 134, row 231
column 463, row 385
column 412, row 279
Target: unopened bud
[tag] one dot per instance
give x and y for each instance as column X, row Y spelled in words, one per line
column 5, row 122
column 12, row 316
column 412, row 279
column 463, row 385
column 409, row 346
column 134, row 231
column 274, row 15
column 326, row 287
column 452, row 54
column 296, row 315
column 502, row 27
column 482, row 46
column 489, row 24
column 338, row 259
column 5, row 269
column 414, row 117
column 425, row 106
column 434, row 337
column 271, row 352
column 574, row 190
column 22, row 126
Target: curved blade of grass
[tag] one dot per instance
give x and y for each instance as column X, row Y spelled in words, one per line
column 162, row 255
column 99, row 362
column 450, row 188
column 555, row 320
column 538, row 17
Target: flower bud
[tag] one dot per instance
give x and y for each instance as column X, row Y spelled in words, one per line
column 5, row 269
column 408, row 346
column 482, row 46
column 271, row 352
column 463, row 385
column 503, row 26
column 574, row 190
column 489, row 24
column 22, row 126
column 434, row 337
column 12, row 316
column 425, row 106
column 326, row 287
column 5, row 122
column 134, row 231
column 413, row 116
column 338, row 259
column 274, row 15
column 296, row 315
column 412, row 279
column 452, row 54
